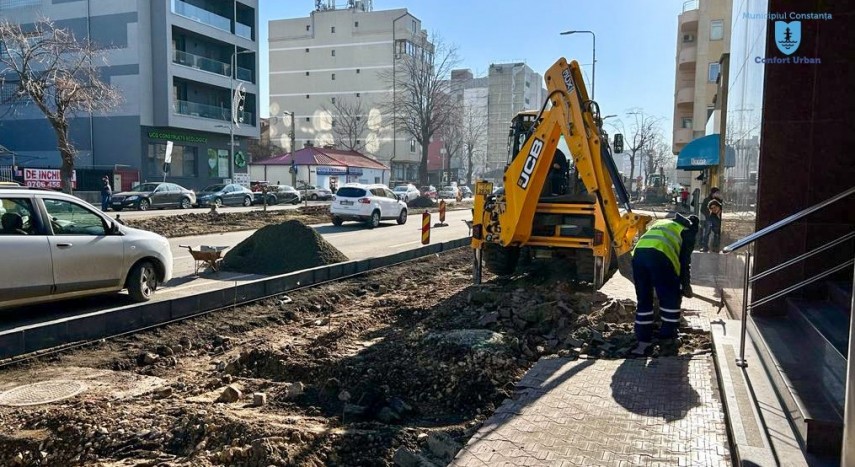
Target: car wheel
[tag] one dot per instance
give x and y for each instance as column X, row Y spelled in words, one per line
column 185, row 203
column 271, row 200
column 218, row 202
column 142, row 281
column 314, row 197
column 247, row 201
column 296, row 201
column 402, row 217
column 374, row 221
column 337, row 221
column 143, row 205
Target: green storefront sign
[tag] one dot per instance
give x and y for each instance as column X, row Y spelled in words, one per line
column 176, row 137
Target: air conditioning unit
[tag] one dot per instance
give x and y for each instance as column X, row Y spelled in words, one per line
column 688, row 38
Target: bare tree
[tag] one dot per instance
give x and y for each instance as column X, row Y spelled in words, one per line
column 50, row 68
column 452, row 140
column 642, row 129
column 422, row 103
column 349, row 123
column 474, row 138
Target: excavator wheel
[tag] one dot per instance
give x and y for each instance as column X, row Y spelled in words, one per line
column 501, row 261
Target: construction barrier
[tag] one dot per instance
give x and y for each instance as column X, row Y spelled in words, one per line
column 425, row 228
column 442, row 211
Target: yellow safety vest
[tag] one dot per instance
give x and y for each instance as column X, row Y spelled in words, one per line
column 664, row 235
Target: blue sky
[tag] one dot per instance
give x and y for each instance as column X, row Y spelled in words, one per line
column 636, row 41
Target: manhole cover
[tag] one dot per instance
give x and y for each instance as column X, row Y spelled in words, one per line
column 43, row 392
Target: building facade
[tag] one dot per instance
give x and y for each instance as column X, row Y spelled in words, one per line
column 342, row 57
column 511, row 88
column 702, row 37
column 171, row 61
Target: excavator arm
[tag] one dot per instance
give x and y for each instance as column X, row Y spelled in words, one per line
column 571, row 116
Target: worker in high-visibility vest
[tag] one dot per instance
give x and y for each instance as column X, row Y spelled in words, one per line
column 661, row 261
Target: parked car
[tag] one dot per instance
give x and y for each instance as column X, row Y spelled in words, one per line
column 407, row 193
column 153, row 195
column 57, row 246
column 278, row 194
column 465, row 191
column 225, row 195
column 449, row 192
column 367, row 203
column 313, row 192
column 429, row 191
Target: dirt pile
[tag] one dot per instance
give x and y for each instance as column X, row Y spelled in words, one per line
column 315, row 210
column 281, row 248
column 422, row 202
column 206, row 223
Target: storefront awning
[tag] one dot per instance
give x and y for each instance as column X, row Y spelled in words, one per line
column 702, row 153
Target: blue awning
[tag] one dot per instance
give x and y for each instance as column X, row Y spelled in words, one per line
column 702, row 153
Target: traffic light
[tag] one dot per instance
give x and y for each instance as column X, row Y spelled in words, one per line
column 618, row 143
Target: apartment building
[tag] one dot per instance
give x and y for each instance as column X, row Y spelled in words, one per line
column 172, row 61
column 511, row 88
column 702, row 37
column 345, row 56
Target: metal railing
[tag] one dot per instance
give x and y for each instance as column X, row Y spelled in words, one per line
column 690, row 5
column 195, row 109
column 243, row 30
column 244, row 74
column 201, row 15
column 749, row 279
column 201, row 63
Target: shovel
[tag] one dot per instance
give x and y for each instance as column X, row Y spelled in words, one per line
column 716, row 303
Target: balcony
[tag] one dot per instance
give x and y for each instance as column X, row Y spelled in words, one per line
column 212, row 112
column 201, row 15
column 688, row 56
column 689, row 18
column 243, row 30
column 683, row 136
column 201, row 63
column 686, row 95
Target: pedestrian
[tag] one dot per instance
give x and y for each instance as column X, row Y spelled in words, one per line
column 661, row 261
column 712, row 226
column 106, row 193
column 684, row 197
column 705, row 211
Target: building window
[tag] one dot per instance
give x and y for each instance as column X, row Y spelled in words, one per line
column 333, row 76
column 710, row 111
column 307, row 73
column 307, row 96
column 526, row 101
column 412, row 145
column 333, row 52
column 183, row 160
column 307, row 50
column 332, row 123
column 716, row 30
column 332, row 30
column 357, row 94
column 356, row 24
column 687, row 122
column 528, row 84
column 308, row 29
column 308, row 119
column 8, row 91
column 713, row 72
column 333, row 100
column 357, row 71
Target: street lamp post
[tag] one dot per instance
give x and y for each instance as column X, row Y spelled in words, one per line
column 594, row 66
column 293, row 142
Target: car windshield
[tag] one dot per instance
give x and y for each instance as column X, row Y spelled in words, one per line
column 213, row 188
column 448, row 188
column 401, row 188
column 350, row 192
column 146, row 187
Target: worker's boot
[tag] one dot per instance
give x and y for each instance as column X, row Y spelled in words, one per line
column 670, row 346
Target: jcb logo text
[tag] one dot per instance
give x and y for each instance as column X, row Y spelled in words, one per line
column 530, row 163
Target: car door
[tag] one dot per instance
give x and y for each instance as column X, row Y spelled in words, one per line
column 85, row 256
column 173, row 194
column 232, row 195
column 159, row 197
column 25, row 262
column 394, row 208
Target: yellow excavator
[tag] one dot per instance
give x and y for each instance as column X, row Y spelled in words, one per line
column 546, row 211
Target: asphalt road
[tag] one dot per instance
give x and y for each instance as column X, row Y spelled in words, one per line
column 353, row 239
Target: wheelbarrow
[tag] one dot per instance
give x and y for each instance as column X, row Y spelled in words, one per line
column 206, row 255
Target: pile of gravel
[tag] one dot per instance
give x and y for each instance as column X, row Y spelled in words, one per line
column 282, row 248
column 421, row 202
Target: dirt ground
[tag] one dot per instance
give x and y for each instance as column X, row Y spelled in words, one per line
column 369, row 371
column 186, row 225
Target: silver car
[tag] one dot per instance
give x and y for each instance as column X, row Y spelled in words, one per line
column 55, row 246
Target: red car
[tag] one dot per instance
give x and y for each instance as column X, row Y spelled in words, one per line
column 429, row 191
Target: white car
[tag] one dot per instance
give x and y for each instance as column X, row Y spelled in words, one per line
column 407, row 193
column 450, row 192
column 56, row 246
column 367, row 203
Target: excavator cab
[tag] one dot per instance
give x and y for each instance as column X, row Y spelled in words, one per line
column 557, row 207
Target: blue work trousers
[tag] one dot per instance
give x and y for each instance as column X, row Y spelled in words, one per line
column 652, row 270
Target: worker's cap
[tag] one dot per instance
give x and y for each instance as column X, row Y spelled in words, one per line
column 693, row 219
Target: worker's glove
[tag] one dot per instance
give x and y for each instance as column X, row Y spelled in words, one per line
column 687, row 291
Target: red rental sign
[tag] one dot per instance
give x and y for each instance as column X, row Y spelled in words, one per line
column 47, row 178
